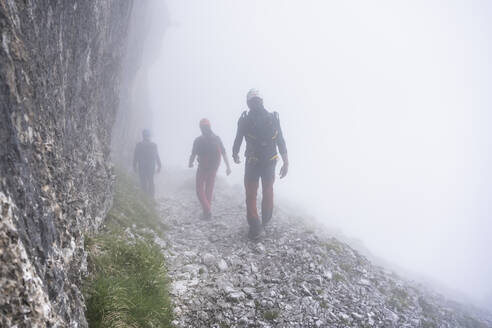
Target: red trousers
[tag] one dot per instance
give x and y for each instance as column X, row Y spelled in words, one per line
column 254, row 172
column 266, row 201
column 205, row 181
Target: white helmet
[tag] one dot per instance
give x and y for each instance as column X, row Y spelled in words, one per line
column 253, row 93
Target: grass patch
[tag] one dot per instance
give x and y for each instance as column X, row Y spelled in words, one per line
column 271, row 315
column 399, row 299
column 346, row 267
column 131, row 208
column 333, row 245
column 128, row 284
column 337, row 277
column 428, row 309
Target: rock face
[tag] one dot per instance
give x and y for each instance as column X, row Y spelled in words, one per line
column 147, row 27
column 295, row 276
column 59, row 90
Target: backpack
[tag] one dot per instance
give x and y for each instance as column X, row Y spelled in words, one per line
column 261, row 135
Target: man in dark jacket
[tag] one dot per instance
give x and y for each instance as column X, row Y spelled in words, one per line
column 263, row 135
column 209, row 149
column 145, row 161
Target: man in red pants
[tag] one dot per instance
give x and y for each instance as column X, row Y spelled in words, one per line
column 263, row 135
column 208, row 148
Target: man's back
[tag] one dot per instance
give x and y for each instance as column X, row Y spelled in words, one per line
column 263, row 135
column 208, row 148
column 146, row 155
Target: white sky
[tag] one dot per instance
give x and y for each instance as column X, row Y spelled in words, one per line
column 385, row 106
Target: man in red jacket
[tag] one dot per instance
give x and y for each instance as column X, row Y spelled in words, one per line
column 209, row 149
column 263, row 135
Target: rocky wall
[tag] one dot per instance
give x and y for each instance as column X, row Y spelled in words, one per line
column 148, row 24
column 60, row 66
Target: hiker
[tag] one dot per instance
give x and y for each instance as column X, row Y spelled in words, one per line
column 263, row 135
column 145, row 161
column 208, row 148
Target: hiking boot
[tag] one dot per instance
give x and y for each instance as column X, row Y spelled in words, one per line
column 255, row 229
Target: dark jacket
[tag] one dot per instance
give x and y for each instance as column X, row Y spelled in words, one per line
column 208, row 148
column 263, row 135
column 146, row 157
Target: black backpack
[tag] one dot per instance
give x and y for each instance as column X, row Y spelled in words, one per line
column 261, row 134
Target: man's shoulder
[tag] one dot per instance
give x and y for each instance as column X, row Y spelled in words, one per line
column 198, row 142
column 218, row 140
column 272, row 112
column 273, row 115
column 146, row 144
column 244, row 115
column 210, row 138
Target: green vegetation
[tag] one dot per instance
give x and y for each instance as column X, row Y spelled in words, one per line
column 128, row 284
column 337, row 277
column 399, row 299
column 428, row 324
column 346, row 267
column 131, row 208
column 428, row 309
column 271, row 315
column 430, row 313
column 333, row 245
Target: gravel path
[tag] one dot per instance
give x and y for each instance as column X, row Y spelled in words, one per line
column 293, row 277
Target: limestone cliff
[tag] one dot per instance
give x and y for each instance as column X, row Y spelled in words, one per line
column 60, row 64
column 147, row 29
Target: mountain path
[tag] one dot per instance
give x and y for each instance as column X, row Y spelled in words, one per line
column 293, row 277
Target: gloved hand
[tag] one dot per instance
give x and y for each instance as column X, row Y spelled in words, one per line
column 236, row 158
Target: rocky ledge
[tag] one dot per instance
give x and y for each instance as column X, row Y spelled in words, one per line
column 293, row 277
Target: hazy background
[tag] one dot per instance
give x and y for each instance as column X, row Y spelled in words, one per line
column 385, row 106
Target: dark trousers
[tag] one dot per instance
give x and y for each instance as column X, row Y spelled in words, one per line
column 253, row 173
column 205, row 182
column 147, row 182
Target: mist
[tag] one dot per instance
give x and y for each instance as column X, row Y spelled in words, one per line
column 385, row 107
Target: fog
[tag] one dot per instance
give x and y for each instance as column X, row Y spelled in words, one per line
column 385, row 107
